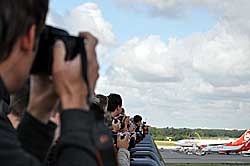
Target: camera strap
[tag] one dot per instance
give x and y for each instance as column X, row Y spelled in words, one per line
column 84, row 62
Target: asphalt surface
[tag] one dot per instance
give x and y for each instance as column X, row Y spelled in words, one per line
column 171, row 156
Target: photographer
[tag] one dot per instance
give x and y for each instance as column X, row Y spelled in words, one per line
column 101, row 133
column 21, row 24
column 100, row 102
column 17, row 54
column 114, row 105
column 138, row 130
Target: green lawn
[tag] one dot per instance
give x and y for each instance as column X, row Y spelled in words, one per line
column 164, row 143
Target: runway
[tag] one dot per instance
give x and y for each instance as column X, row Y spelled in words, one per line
column 170, row 156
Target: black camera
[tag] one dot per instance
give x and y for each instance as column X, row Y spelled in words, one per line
column 44, row 59
column 124, row 134
column 122, row 119
column 115, row 121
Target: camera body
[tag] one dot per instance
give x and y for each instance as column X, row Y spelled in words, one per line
column 121, row 120
column 44, row 58
column 124, row 134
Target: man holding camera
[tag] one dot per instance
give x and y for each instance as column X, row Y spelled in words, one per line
column 21, row 22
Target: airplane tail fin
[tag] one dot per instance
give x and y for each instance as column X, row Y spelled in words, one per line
column 246, row 146
column 243, row 139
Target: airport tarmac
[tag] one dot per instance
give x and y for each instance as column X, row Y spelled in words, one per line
column 171, row 156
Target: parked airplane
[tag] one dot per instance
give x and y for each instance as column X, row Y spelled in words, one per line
column 226, row 149
column 193, row 142
column 239, row 145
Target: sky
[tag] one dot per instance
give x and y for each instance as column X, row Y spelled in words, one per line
column 178, row 63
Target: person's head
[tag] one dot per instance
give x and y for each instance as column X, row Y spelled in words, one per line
column 21, row 22
column 137, row 119
column 99, row 105
column 102, row 102
column 114, row 104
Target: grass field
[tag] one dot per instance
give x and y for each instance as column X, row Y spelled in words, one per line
column 206, row 164
column 164, row 143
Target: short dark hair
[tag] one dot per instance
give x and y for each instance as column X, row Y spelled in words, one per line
column 16, row 17
column 123, row 111
column 137, row 118
column 114, row 100
column 103, row 101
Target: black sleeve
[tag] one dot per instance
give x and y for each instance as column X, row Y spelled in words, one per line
column 76, row 145
column 114, row 135
column 11, row 152
column 35, row 137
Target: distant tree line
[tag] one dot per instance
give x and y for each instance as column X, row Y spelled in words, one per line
column 164, row 134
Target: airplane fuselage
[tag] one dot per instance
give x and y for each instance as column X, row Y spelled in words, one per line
column 222, row 148
column 191, row 143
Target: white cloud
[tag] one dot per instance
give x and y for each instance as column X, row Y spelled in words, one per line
column 223, row 58
column 86, row 17
column 186, row 82
column 201, row 80
column 147, row 59
column 244, row 107
column 168, row 8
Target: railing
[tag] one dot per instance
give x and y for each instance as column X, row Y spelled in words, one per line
column 146, row 153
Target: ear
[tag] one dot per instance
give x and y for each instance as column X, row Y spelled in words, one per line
column 28, row 40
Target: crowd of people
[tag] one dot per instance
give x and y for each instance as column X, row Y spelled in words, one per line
column 115, row 133
column 56, row 119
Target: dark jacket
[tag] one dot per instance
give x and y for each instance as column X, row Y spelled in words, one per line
column 102, row 141
column 28, row 145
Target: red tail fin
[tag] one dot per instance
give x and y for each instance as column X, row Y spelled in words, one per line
column 246, row 146
column 245, row 137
